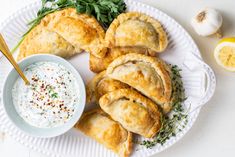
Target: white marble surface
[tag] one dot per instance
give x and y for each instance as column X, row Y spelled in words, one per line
column 213, row 133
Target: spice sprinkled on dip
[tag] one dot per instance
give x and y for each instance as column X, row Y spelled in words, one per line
column 50, row 99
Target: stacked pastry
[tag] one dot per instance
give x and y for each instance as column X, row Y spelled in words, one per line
column 133, row 92
column 132, row 88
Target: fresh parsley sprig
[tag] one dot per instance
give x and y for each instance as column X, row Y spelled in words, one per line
column 104, row 10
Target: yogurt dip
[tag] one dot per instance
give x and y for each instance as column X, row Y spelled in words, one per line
column 50, row 99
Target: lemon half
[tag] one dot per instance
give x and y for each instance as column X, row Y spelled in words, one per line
column 225, row 53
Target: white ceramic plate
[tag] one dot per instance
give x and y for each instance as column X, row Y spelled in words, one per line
column 198, row 78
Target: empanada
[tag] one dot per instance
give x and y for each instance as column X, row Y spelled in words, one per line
column 99, row 126
column 81, row 30
column 100, row 64
column 41, row 40
column 100, row 85
column 149, row 75
column 137, row 30
column 133, row 111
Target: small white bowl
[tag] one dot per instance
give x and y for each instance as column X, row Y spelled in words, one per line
column 16, row 118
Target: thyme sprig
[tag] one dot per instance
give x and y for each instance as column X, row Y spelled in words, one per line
column 175, row 121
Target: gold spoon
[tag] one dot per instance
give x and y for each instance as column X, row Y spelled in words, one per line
column 6, row 52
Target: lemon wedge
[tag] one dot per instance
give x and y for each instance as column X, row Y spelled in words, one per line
column 225, row 53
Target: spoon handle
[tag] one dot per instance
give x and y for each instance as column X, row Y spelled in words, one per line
column 6, row 52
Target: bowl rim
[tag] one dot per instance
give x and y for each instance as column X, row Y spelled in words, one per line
column 63, row 127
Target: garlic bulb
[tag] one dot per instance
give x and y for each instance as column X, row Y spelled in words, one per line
column 207, row 22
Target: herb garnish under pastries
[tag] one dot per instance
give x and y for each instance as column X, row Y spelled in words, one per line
column 177, row 119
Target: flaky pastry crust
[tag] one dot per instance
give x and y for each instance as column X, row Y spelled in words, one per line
column 149, row 75
column 135, row 112
column 100, row 85
column 99, row 126
column 41, row 40
column 81, row 30
column 134, row 29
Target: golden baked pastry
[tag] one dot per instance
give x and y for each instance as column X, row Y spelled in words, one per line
column 137, row 30
column 133, row 111
column 41, row 40
column 149, row 75
column 100, row 85
column 99, row 64
column 81, row 30
column 99, row 126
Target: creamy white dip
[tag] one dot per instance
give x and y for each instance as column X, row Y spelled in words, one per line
column 50, row 99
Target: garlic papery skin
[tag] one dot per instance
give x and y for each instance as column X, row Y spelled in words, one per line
column 207, row 22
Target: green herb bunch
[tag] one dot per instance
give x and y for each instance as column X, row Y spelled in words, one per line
column 105, row 11
column 177, row 119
